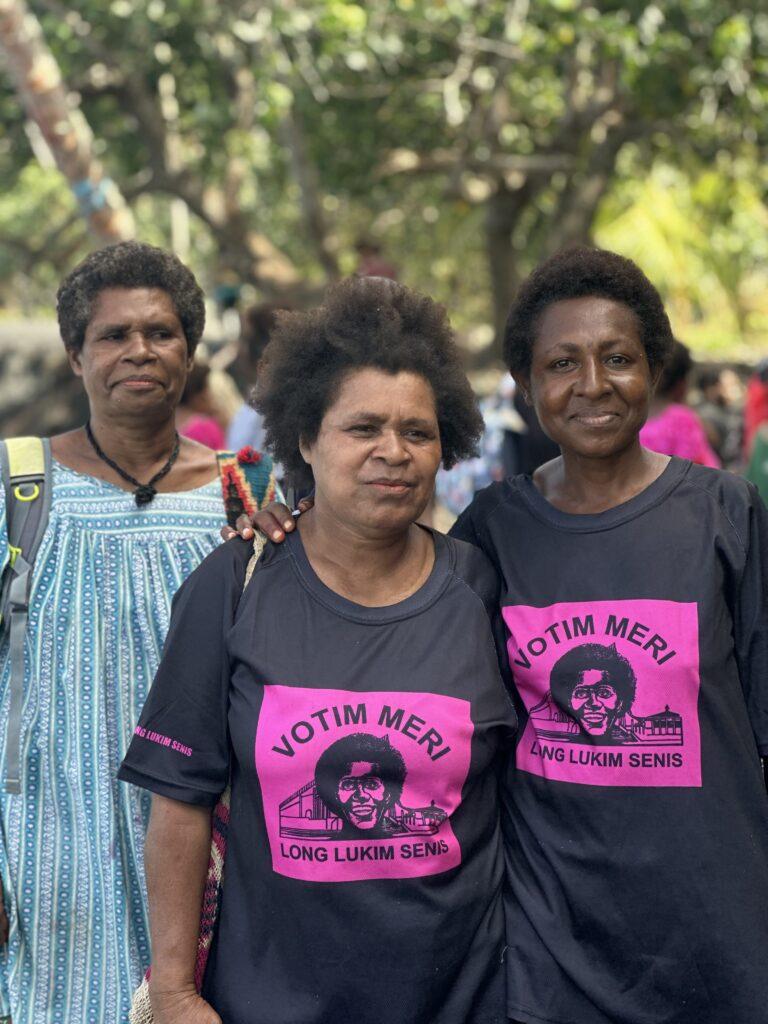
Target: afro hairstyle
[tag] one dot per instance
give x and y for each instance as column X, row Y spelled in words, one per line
column 363, row 322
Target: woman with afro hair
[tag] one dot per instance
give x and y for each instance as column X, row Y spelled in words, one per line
column 362, row 730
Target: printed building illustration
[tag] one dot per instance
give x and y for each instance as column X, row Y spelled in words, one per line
column 303, row 815
column 664, row 729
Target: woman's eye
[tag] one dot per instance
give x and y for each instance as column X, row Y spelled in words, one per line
column 562, row 364
column 363, row 428
column 618, row 360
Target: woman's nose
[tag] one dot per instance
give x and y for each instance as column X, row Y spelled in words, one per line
column 139, row 346
column 593, row 380
column 391, row 447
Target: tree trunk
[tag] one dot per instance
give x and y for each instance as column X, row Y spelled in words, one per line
column 502, row 214
column 37, row 80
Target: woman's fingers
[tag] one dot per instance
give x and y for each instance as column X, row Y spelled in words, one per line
column 274, row 521
column 243, row 527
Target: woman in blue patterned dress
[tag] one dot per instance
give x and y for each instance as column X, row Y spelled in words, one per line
column 134, row 511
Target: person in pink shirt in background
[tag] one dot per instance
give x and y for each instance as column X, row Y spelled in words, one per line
column 673, row 428
column 196, row 413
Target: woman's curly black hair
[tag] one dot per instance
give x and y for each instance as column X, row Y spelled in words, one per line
column 363, row 322
column 573, row 274
column 128, row 265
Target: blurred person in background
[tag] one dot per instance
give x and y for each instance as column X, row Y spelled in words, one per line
column 672, row 427
column 755, row 405
column 721, row 419
column 512, row 442
column 455, row 488
column 757, row 468
column 257, row 322
column 370, row 261
column 196, row 414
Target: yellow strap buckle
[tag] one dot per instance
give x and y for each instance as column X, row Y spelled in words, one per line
column 20, row 496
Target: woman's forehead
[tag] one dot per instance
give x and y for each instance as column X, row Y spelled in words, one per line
column 588, row 319
column 375, row 391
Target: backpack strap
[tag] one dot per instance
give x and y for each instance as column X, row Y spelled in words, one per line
column 26, row 470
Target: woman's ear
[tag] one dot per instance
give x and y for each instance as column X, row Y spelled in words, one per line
column 523, row 385
column 73, row 358
column 306, row 451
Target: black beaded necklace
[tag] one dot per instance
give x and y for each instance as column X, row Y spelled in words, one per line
column 144, row 493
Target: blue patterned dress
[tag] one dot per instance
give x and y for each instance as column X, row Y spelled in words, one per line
column 72, row 842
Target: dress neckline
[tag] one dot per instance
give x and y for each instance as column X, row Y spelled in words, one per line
column 62, row 467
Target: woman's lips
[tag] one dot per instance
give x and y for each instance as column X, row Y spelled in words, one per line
column 601, row 419
column 139, row 383
column 391, row 486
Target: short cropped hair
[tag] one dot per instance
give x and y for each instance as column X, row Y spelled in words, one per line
column 128, row 265
column 363, row 322
column 576, row 273
column 336, row 760
column 567, row 671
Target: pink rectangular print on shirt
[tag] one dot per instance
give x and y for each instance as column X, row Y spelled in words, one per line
column 611, row 689
column 361, row 785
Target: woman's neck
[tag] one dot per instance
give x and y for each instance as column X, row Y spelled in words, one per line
column 584, row 486
column 368, row 567
column 137, row 447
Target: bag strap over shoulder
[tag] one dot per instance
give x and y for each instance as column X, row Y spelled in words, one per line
column 26, row 471
column 247, row 482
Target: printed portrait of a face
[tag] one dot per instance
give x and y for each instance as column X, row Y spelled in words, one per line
column 360, row 778
column 594, row 685
column 363, row 796
column 595, row 702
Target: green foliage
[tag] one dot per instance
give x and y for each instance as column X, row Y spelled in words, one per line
column 645, row 120
column 704, row 244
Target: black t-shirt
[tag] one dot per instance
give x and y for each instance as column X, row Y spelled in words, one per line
column 635, row 818
column 364, row 868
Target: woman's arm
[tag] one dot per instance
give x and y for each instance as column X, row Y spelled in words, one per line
column 176, row 859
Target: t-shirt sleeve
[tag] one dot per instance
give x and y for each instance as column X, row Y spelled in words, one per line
column 180, row 748
column 750, row 619
column 464, row 527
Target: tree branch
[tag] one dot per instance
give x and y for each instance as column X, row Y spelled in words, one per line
column 37, row 79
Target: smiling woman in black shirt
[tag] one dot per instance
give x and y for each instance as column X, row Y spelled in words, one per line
column 361, row 731
column 634, row 595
